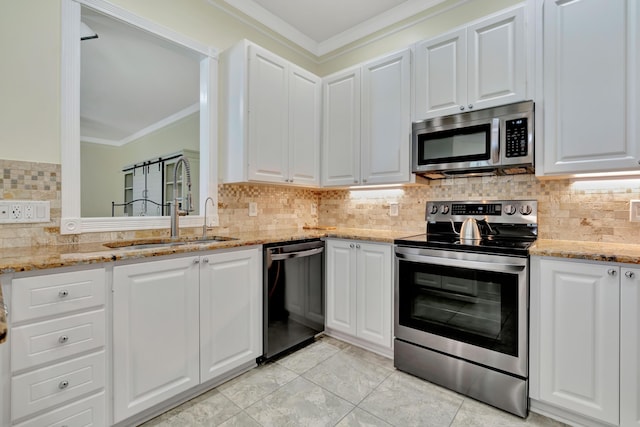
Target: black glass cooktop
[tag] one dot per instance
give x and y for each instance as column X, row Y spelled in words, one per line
column 489, row 244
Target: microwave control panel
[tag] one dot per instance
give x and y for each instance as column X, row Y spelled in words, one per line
column 516, row 137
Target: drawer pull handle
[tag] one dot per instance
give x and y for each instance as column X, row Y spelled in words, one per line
column 63, row 293
column 63, row 385
column 630, row 274
column 63, row 339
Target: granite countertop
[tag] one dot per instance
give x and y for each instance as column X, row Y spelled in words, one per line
column 36, row 258
column 592, row 251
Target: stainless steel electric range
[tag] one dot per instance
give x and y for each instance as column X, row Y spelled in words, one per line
column 461, row 300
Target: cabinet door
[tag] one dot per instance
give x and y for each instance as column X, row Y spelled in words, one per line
column 441, row 75
column 630, row 348
column 386, row 120
column 230, row 311
column 579, row 338
column 268, row 116
column 496, row 67
column 374, row 290
column 341, row 136
column 341, row 286
column 155, row 333
column 304, row 127
column 591, row 85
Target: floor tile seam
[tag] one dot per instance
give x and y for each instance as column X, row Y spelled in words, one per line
column 329, row 391
column 457, row 411
column 271, row 392
column 374, row 415
column 249, row 415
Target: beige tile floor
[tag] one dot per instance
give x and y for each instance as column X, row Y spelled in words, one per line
column 332, row 383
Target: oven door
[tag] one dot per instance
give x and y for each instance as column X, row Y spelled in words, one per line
column 468, row 305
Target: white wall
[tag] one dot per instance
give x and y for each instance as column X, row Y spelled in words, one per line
column 30, row 65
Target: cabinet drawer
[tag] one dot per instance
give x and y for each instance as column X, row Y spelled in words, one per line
column 44, row 342
column 88, row 412
column 57, row 293
column 56, row 384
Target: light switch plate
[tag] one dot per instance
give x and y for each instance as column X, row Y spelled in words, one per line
column 393, row 209
column 634, row 210
column 253, row 209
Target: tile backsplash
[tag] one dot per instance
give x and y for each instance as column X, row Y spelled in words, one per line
column 587, row 211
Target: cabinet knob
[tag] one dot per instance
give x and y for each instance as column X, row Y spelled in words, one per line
column 63, row 339
column 611, row 272
column 63, row 293
column 462, row 108
column 355, row 181
column 364, row 180
column 196, row 261
column 630, row 274
column 63, row 384
column 470, row 106
column 357, row 246
column 351, row 245
column 206, row 260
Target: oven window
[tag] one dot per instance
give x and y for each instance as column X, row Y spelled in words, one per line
column 472, row 306
column 456, row 145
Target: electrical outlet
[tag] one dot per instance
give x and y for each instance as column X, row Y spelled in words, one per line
column 253, row 209
column 16, row 211
column 24, row 211
column 28, row 212
column 634, row 210
column 393, row 209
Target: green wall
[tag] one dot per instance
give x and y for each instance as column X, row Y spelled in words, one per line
column 30, row 44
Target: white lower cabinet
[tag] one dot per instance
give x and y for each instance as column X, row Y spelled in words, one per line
column 630, row 347
column 584, row 341
column 359, row 288
column 180, row 322
column 155, row 333
column 230, row 311
column 58, row 359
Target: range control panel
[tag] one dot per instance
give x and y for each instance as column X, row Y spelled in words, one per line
column 496, row 211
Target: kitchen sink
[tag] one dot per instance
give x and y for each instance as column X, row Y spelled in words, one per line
column 166, row 242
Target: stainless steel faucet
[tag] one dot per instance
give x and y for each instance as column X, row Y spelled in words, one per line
column 204, row 226
column 187, row 207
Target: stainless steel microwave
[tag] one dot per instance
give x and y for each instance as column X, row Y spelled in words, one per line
column 496, row 140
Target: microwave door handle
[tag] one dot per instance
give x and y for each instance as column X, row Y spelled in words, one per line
column 495, row 141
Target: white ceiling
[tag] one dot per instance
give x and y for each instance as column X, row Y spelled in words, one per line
column 132, row 82
column 324, row 26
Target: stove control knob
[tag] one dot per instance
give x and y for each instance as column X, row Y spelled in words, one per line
column 509, row 209
column 525, row 209
column 444, row 209
column 434, row 209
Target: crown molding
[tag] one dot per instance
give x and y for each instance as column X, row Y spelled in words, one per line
column 362, row 30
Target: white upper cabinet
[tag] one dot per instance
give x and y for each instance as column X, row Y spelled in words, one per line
column 367, row 123
column 386, row 120
column 589, row 62
column 270, row 118
column 341, row 122
column 479, row 66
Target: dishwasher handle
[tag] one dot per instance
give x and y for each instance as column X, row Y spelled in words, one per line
column 301, row 254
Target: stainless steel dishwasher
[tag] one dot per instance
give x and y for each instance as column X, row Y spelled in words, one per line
column 293, row 295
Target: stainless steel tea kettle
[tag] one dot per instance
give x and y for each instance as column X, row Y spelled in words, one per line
column 470, row 231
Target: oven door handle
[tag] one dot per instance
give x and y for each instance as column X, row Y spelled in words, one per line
column 301, row 254
column 479, row 265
